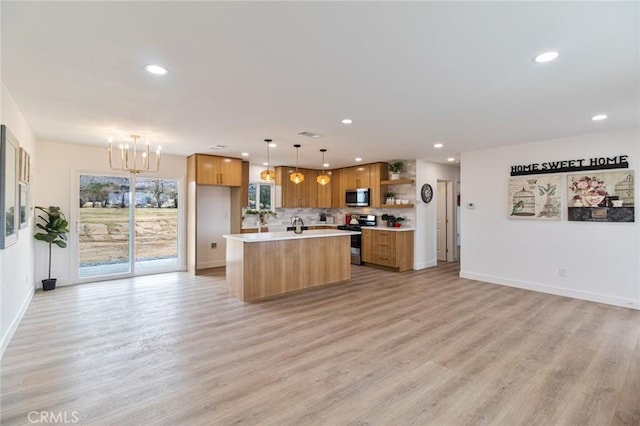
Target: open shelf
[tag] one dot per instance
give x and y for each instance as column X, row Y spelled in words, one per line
column 396, row 181
column 397, row 206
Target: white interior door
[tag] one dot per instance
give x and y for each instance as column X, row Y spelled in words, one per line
column 441, row 221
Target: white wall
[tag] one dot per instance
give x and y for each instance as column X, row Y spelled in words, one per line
column 602, row 260
column 16, row 262
column 425, row 240
column 214, row 206
column 57, row 185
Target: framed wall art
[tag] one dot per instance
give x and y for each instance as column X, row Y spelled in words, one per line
column 601, row 196
column 25, row 164
column 8, row 188
column 535, row 197
column 24, row 205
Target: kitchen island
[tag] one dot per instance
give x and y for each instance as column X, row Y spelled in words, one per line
column 270, row 263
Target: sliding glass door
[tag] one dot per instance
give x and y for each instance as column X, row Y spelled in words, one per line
column 156, row 225
column 114, row 238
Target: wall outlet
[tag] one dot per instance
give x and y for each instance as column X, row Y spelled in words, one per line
column 562, row 272
column 214, row 245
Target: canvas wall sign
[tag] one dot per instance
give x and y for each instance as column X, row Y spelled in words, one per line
column 535, row 197
column 601, row 197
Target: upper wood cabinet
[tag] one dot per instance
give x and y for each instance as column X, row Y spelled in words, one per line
column 358, row 177
column 324, row 193
column 214, row 170
column 296, row 195
column 364, row 176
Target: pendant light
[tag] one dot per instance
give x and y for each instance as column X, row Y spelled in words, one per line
column 296, row 177
column 323, row 179
column 268, row 175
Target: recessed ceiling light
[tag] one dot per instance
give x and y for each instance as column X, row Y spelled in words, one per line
column 358, row 159
column 438, row 145
column 156, row 69
column 265, row 164
column 245, row 154
column 326, row 165
column 347, row 121
column 451, row 159
column 546, row 57
column 272, row 145
column 599, row 117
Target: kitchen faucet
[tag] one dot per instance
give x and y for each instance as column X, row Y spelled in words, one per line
column 298, row 223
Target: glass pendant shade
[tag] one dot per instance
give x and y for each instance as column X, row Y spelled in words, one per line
column 268, row 175
column 296, row 177
column 323, row 179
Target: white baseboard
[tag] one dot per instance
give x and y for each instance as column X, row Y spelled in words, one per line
column 424, row 265
column 558, row 291
column 211, row 264
column 14, row 324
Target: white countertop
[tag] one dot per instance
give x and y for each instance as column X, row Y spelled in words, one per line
column 387, row 228
column 288, row 235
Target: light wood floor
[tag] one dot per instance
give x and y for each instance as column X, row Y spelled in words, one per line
column 423, row 348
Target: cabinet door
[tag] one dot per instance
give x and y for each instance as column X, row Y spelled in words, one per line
column 324, row 194
column 338, row 188
column 206, row 170
column 310, row 195
column 377, row 173
column 368, row 255
column 358, row 177
column 230, row 172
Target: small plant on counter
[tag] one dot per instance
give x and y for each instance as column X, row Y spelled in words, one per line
column 392, row 221
column 262, row 213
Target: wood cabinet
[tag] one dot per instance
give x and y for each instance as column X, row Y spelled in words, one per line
column 214, row 170
column 211, row 170
column 364, row 176
column 297, row 195
column 392, row 249
column 358, row 177
column 324, row 194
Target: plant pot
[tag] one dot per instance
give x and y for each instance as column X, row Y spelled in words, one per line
column 395, row 176
column 396, row 225
column 49, row 284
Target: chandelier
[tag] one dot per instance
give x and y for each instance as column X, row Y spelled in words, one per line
column 296, row 177
column 268, row 175
column 323, row 179
column 129, row 161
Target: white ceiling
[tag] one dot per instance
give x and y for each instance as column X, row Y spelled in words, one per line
column 409, row 74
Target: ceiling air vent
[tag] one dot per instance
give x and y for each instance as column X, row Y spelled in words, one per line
column 217, row 147
column 310, row 135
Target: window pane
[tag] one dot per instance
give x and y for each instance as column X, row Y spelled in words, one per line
column 104, row 225
column 265, row 197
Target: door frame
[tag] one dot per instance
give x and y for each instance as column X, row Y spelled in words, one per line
column 452, row 252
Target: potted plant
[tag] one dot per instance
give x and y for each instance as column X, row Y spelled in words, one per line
column 395, row 169
column 389, row 197
column 55, row 227
column 263, row 214
column 392, row 221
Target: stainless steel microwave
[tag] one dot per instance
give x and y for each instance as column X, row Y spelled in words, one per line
column 358, row 197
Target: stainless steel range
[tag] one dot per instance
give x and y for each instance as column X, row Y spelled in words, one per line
column 356, row 240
